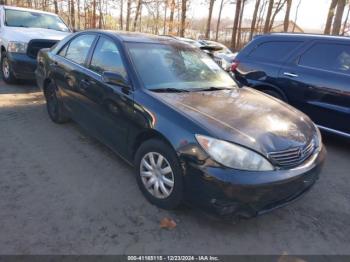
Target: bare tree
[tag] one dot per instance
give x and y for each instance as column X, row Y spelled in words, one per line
column 171, row 18
column 165, row 15
column 121, row 14
column 138, row 8
column 211, row 5
column 346, row 20
column 286, row 16
column 255, row 13
column 330, row 16
column 219, row 20
column 268, row 16
column 56, row 6
column 235, row 24
column 278, row 8
column 338, row 17
column 72, row 13
column 239, row 35
column 296, row 15
column 183, row 17
column 128, row 16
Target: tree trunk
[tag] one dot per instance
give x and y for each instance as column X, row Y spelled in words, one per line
column 94, row 14
column 121, row 15
column 296, row 15
column 219, row 20
column 100, row 18
column 78, row 13
column 171, row 19
column 327, row 29
column 338, row 17
column 183, row 17
column 278, row 8
column 128, row 16
column 138, row 7
column 239, row 34
column 346, row 21
column 255, row 13
column 235, row 24
column 268, row 16
column 165, row 16
column 56, row 6
column 260, row 17
column 72, row 14
column 207, row 32
column 286, row 17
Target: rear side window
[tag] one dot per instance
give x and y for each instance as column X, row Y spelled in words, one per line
column 327, row 56
column 275, row 51
column 78, row 48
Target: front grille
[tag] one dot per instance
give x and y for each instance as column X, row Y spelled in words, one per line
column 35, row 45
column 292, row 157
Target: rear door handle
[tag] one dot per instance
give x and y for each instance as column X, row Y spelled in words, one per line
column 290, row 74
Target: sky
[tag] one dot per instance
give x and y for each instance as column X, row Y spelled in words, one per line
column 312, row 13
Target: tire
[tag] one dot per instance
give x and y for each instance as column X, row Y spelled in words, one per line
column 274, row 94
column 155, row 147
column 54, row 106
column 6, row 70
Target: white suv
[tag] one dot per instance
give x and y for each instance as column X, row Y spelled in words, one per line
column 23, row 32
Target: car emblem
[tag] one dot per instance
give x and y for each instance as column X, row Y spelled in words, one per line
column 300, row 152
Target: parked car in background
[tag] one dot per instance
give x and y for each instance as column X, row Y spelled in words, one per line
column 219, row 52
column 23, row 32
column 224, row 53
column 174, row 114
column 310, row 72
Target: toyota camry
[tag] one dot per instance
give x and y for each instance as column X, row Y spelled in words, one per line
column 171, row 112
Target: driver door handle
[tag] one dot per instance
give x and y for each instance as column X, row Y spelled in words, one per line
column 290, row 74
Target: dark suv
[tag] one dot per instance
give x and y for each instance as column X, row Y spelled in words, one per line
column 310, row 72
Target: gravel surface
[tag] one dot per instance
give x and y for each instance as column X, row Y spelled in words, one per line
column 62, row 192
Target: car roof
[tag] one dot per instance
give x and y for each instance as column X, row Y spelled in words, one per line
column 302, row 36
column 27, row 9
column 136, row 37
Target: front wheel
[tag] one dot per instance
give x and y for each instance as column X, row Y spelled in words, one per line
column 159, row 174
column 6, row 70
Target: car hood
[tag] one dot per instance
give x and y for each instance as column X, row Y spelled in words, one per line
column 26, row 34
column 246, row 117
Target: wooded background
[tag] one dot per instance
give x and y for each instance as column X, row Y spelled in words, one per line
column 171, row 17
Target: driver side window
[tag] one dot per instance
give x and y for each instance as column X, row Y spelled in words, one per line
column 107, row 58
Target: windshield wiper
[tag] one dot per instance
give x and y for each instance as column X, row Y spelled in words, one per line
column 168, row 90
column 212, row 88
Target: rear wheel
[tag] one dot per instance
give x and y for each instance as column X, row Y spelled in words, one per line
column 54, row 106
column 159, row 174
column 6, row 70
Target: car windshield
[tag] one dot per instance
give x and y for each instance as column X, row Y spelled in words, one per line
column 19, row 18
column 177, row 66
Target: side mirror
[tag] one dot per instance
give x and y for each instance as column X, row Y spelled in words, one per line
column 114, row 79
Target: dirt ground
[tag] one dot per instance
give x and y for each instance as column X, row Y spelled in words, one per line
column 62, row 192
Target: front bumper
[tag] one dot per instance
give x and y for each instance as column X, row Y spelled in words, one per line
column 225, row 192
column 22, row 65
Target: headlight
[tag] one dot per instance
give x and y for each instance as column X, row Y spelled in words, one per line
column 233, row 156
column 225, row 65
column 17, row 47
column 318, row 138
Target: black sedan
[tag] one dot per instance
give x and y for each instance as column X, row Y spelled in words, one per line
column 174, row 114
